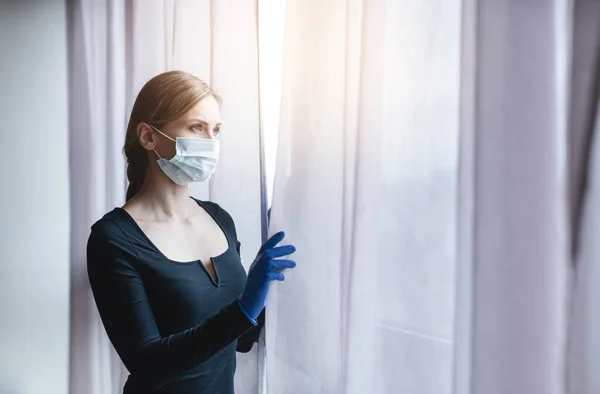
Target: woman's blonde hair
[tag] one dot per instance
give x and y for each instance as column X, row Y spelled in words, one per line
column 163, row 99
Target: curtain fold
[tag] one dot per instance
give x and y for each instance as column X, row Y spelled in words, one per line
column 527, row 316
column 584, row 133
column 97, row 177
column 365, row 189
column 514, row 243
column 585, row 84
column 584, row 339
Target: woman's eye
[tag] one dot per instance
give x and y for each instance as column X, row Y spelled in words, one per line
column 197, row 127
column 216, row 131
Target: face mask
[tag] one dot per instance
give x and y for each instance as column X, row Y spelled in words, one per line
column 195, row 159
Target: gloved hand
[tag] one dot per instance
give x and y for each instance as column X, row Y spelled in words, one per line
column 263, row 270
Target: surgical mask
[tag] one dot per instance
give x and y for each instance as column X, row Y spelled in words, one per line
column 195, row 159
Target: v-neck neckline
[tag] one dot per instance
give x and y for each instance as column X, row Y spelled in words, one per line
column 214, row 280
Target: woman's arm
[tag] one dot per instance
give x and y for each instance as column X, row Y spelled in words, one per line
column 128, row 319
column 246, row 341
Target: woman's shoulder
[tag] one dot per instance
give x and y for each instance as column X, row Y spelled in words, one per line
column 110, row 229
column 212, row 207
column 109, row 249
column 217, row 211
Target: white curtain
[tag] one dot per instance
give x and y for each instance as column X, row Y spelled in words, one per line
column 97, row 131
column 584, row 338
column 515, row 243
column 365, row 186
column 116, row 46
column 527, row 318
column 396, row 204
column 584, row 356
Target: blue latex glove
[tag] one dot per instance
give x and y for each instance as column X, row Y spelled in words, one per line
column 263, row 270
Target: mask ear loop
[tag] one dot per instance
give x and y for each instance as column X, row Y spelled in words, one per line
column 164, row 135
column 161, row 133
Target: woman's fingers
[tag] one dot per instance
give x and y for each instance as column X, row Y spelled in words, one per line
column 280, row 251
column 282, row 264
column 271, row 242
column 275, row 276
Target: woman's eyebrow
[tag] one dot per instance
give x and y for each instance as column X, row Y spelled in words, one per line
column 202, row 121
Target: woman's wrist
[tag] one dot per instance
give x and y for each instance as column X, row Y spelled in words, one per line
column 252, row 320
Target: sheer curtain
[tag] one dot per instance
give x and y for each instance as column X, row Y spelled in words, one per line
column 584, row 356
column 365, row 186
column 432, row 152
column 115, row 47
column 527, row 310
column 584, row 338
column 515, row 244
column 97, row 131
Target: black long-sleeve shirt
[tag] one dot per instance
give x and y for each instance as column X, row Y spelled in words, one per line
column 174, row 327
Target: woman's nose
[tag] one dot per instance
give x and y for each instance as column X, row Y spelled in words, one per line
column 209, row 133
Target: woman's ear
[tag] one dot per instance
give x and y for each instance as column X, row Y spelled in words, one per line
column 146, row 136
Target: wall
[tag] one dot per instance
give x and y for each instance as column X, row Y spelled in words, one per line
column 34, row 215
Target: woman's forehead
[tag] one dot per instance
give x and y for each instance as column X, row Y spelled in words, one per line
column 206, row 110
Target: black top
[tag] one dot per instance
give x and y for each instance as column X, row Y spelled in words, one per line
column 174, row 327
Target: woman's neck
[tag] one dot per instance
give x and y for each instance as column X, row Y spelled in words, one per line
column 161, row 198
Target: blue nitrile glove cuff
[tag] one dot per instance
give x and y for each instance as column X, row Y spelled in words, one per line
column 253, row 321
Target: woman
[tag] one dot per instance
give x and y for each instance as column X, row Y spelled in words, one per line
column 165, row 269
